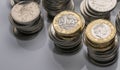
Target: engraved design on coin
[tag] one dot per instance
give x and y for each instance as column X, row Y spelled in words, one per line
column 102, row 5
column 67, row 21
column 25, row 12
column 101, row 31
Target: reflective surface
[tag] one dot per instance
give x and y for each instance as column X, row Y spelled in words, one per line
column 38, row 53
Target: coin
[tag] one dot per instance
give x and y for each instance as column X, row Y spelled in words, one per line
column 102, row 42
column 102, row 5
column 91, row 14
column 13, row 2
column 66, row 31
column 26, row 18
column 118, row 23
column 102, row 31
column 53, row 7
column 67, row 23
column 25, row 12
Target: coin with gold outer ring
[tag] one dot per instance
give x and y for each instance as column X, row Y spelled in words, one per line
column 68, row 23
column 100, row 31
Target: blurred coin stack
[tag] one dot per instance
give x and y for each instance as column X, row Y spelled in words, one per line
column 118, row 23
column 26, row 18
column 97, row 9
column 53, row 7
column 66, row 31
column 101, row 42
column 13, row 2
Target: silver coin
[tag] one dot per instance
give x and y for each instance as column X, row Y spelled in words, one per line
column 13, row 2
column 26, row 18
column 25, row 12
column 102, row 5
column 53, row 7
column 63, row 43
column 93, row 12
column 91, row 15
column 103, row 64
column 33, row 29
column 118, row 23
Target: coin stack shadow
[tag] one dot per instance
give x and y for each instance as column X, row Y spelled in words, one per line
column 26, row 18
column 53, row 7
column 98, row 9
column 13, row 2
column 102, row 46
column 118, row 23
column 66, row 31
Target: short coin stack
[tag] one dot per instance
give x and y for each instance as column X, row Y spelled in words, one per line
column 26, row 18
column 97, row 9
column 101, row 42
column 66, row 31
column 13, row 2
column 53, row 7
column 118, row 23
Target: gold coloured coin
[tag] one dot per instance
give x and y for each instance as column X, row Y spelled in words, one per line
column 100, row 31
column 68, row 23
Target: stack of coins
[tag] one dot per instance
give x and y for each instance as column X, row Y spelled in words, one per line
column 118, row 23
column 13, row 2
column 97, row 9
column 26, row 18
column 66, row 31
column 101, row 42
column 53, row 7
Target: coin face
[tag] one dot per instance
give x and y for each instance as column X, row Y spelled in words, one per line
column 100, row 31
column 67, row 22
column 102, row 5
column 24, row 12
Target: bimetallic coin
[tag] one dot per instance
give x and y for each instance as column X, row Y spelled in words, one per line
column 67, row 23
column 102, row 42
column 63, row 33
column 100, row 31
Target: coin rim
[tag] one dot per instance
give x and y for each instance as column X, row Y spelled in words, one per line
column 100, row 41
column 79, row 24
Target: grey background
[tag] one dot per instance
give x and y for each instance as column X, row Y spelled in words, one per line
column 38, row 54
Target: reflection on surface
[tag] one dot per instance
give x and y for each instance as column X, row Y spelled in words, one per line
column 34, row 44
column 71, row 62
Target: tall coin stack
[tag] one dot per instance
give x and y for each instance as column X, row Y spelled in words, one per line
column 13, row 2
column 26, row 18
column 118, row 23
column 101, row 42
column 66, row 31
column 53, row 7
column 97, row 9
